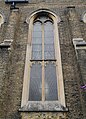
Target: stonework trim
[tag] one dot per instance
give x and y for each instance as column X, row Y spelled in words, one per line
column 83, row 17
column 1, row 19
column 46, row 106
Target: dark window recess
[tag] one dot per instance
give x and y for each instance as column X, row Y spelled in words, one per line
column 16, row 1
column 50, row 82
column 35, row 92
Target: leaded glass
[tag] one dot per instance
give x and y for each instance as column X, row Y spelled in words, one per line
column 50, row 82
column 36, row 51
column 49, row 52
column 35, row 93
column 37, row 41
column 48, row 26
column 37, row 26
column 48, row 34
column 49, row 40
column 43, row 78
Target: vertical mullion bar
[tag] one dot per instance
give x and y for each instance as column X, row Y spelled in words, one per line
column 43, row 75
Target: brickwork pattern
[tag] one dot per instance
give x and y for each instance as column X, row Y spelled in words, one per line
column 43, row 115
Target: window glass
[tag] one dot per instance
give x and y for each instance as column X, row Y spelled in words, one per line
column 37, row 41
column 49, row 51
column 37, row 52
column 35, row 93
column 48, row 40
column 43, row 78
column 50, row 82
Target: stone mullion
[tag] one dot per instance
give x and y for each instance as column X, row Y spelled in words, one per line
column 43, row 75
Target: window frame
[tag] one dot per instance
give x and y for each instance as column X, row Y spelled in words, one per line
column 43, row 60
column 25, row 93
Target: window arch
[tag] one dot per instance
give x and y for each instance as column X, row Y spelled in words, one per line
column 43, row 80
column 1, row 20
column 84, row 17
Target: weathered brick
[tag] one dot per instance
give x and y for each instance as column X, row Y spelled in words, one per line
column 12, row 61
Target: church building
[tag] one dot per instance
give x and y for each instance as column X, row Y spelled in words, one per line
column 42, row 59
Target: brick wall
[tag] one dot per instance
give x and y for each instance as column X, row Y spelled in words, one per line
column 12, row 60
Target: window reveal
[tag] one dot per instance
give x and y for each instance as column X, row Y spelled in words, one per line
column 43, row 80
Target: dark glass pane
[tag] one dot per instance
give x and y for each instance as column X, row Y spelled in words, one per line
column 37, row 26
column 48, row 26
column 49, row 55
column 49, row 51
column 36, row 55
column 35, row 92
column 37, row 52
column 50, row 82
column 48, row 40
column 49, row 34
column 43, row 18
column 49, row 47
column 37, row 34
column 37, row 41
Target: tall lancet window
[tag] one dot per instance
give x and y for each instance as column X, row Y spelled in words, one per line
column 43, row 79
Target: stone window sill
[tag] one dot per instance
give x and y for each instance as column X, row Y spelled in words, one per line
column 46, row 106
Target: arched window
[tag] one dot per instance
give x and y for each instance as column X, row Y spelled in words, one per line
column 1, row 20
column 43, row 79
column 84, row 17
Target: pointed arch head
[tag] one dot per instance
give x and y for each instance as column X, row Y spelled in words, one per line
column 83, row 17
column 1, row 19
column 43, row 12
